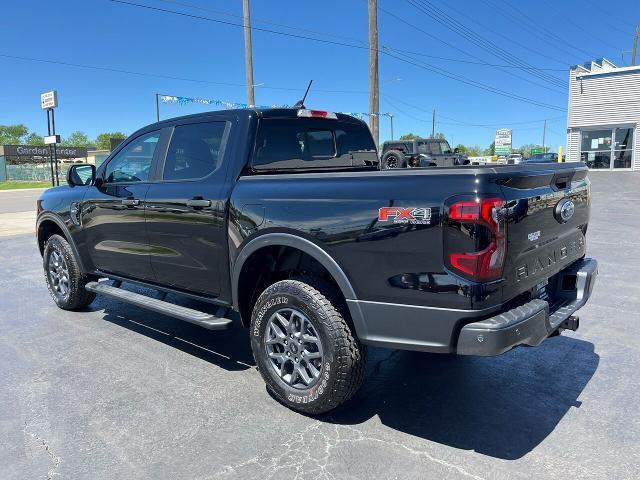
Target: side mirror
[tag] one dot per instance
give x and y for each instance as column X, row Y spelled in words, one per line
column 81, row 174
column 456, row 150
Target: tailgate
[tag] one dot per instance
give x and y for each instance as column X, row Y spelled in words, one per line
column 547, row 210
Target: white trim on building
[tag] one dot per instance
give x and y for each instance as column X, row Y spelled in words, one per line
column 604, row 115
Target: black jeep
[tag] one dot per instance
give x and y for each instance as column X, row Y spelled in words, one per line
column 420, row 152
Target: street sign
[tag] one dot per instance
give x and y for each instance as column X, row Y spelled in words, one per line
column 503, row 141
column 51, row 139
column 49, row 100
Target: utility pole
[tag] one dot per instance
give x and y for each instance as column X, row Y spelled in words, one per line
column 248, row 58
column 374, row 97
column 391, row 119
column 544, row 136
column 433, row 124
column 635, row 45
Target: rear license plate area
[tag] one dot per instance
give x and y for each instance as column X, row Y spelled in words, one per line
column 540, row 290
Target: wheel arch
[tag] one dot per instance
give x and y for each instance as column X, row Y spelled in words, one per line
column 279, row 240
column 48, row 225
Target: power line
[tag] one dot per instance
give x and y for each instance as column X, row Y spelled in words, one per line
column 353, row 39
column 478, row 40
column 464, row 123
column 256, row 20
column 514, row 41
column 537, row 25
column 428, row 34
column 567, row 18
column 480, row 61
column 168, row 77
column 482, row 86
column 422, row 65
column 472, row 62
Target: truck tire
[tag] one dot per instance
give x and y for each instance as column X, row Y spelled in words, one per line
column 304, row 347
column 63, row 275
column 393, row 159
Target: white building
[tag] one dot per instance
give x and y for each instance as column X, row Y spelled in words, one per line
column 603, row 116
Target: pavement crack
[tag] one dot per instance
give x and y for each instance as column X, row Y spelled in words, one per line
column 55, row 460
column 309, row 452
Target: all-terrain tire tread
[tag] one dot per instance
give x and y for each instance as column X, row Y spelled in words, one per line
column 79, row 297
column 351, row 355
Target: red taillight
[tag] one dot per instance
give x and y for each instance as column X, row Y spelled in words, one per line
column 487, row 263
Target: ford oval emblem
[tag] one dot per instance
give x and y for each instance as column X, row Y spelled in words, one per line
column 564, row 210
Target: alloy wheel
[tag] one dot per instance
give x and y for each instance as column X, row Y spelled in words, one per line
column 58, row 274
column 294, row 348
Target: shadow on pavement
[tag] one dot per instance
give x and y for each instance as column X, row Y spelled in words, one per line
column 228, row 349
column 501, row 407
column 498, row 406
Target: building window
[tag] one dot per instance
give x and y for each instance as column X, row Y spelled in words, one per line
column 607, row 148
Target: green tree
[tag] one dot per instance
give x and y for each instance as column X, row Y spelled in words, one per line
column 34, row 139
column 471, row 150
column 462, row 149
column 12, row 134
column 103, row 141
column 526, row 149
column 409, row 136
column 491, row 149
column 438, row 135
column 77, row 139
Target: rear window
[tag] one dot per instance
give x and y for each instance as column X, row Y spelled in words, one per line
column 312, row 144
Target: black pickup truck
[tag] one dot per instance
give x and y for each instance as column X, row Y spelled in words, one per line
column 281, row 220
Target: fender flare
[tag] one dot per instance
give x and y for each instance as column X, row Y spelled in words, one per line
column 65, row 231
column 288, row 240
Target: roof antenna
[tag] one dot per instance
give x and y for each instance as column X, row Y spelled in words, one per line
column 300, row 103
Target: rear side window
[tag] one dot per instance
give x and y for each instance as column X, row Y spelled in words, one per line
column 194, row 150
column 429, row 148
column 311, row 143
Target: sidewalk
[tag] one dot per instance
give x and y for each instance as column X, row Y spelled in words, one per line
column 16, row 223
column 41, row 189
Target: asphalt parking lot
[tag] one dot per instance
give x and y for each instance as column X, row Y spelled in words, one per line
column 118, row 392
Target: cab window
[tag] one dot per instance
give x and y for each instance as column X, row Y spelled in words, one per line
column 194, row 150
column 133, row 162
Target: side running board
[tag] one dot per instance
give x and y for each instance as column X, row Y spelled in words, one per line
column 203, row 319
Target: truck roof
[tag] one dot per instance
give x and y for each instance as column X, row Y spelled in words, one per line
column 259, row 112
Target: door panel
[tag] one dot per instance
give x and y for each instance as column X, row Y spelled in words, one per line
column 185, row 212
column 113, row 211
column 186, row 243
column 114, row 228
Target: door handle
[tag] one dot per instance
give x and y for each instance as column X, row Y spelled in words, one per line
column 198, row 202
column 130, row 201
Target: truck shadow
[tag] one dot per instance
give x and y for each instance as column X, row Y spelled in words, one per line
column 502, row 407
column 228, row 349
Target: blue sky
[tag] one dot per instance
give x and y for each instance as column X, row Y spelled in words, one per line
column 546, row 34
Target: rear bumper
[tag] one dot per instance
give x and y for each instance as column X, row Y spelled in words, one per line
column 531, row 323
column 443, row 330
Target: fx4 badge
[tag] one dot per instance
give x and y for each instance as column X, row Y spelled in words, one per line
column 411, row 215
column 533, row 236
